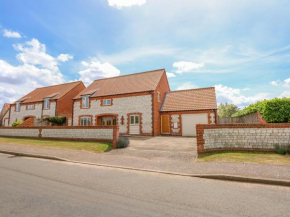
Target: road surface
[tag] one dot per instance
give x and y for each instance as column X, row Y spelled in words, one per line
column 34, row 187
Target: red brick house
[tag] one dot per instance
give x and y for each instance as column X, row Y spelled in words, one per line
column 4, row 111
column 43, row 102
column 142, row 104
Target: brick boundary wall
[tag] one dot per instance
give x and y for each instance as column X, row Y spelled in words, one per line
column 225, row 143
column 37, row 132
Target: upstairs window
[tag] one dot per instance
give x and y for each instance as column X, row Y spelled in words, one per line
column 86, row 121
column 85, row 101
column 17, row 107
column 46, row 103
column 158, row 96
column 30, row 107
column 107, row 102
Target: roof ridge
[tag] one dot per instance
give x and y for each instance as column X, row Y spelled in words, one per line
column 136, row 73
column 201, row 88
column 58, row 84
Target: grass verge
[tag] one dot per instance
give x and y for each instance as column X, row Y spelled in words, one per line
column 96, row 147
column 245, row 157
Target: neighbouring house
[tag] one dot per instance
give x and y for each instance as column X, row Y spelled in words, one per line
column 4, row 115
column 142, row 104
column 44, row 102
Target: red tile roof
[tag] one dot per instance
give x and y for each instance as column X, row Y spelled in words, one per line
column 133, row 83
column 189, row 100
column 53, row 92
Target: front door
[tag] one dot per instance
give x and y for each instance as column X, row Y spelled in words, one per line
column 165, row 129
column 134, row 127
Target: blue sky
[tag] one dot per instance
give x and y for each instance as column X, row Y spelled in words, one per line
column 242, row 47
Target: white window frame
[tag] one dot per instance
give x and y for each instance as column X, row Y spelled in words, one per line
column 86, row 121
column 30, row 107
column 46, row 103
column 85, row 101
column 17, row 109
column 136, row 119
column 107, row 102
column 158, row 96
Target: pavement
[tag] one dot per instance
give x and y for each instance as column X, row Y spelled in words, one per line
column 36, row 187
column 174, row 155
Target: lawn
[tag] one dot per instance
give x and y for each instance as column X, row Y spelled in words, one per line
column 96, row 147
column 245, row 157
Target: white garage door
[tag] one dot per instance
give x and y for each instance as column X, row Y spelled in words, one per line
column 189, row 122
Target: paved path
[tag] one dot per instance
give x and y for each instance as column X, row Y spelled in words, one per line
column 33, row 187
column 160, row 160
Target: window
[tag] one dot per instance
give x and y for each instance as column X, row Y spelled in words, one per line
column 158, row 96
column 108, row 121
column 86, row 121
column 30, row 107
column 106, row 101
column 85, row 101
column 46, row 103
column 134, row 119
column 18, row 106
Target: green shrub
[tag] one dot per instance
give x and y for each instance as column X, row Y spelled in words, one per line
column 273, row 111
column 57, row 120
column 17, row 123
column 123, row 142
column 280, row 150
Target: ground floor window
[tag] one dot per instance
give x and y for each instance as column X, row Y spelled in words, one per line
column 86, row 121
column 107, row 120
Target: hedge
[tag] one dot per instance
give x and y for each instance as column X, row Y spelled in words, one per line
column 273, row 111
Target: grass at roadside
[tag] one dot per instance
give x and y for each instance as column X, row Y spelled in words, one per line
column 96, row 147
column 245, row 157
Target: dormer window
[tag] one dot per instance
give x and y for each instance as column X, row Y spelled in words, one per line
column 46, row 104
column 17, row 107
column 107, row 102
column 85, row 101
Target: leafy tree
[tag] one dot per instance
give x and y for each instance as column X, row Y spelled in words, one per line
column 227, row 110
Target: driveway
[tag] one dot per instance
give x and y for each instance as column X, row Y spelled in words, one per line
column 159, row 149
column 163, row 143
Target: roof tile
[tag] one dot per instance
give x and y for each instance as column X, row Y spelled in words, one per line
column 132, row 83
column 189, row 100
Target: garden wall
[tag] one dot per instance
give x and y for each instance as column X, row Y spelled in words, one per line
column 241, row 137
column 253, row 118
column 92, row 133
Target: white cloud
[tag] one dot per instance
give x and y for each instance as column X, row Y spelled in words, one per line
column 246, row 89
column 11, row 34
column 95, row 70
column 187, row 85
column 287, row 82
column 285, row 94
column 33, row 52
column 170, row 75
column 37, row 69
column 232, row 95
column 125, row 3
column 64, row 57
column 275, row 83
column 184, row 66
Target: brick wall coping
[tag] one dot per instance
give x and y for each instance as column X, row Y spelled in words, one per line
column 268, row 125
column 63, row 127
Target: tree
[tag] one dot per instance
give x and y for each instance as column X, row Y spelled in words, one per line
column 227, row 110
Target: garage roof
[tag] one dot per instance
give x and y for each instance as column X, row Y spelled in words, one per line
column 190, row 100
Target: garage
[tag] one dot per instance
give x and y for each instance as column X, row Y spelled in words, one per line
column 182, row 110
column 189, row 122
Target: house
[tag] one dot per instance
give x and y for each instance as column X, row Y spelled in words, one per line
column 4, row 115
column 142, row 104
column 183, row 109
column 44, row 102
